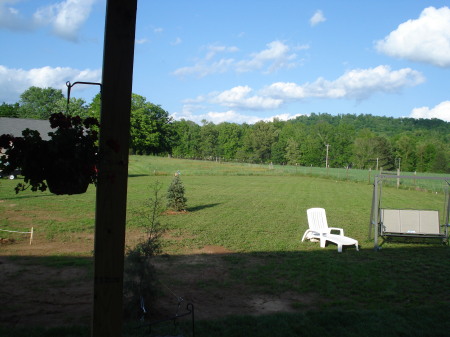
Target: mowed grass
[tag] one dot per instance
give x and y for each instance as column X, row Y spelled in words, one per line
column 260, row 217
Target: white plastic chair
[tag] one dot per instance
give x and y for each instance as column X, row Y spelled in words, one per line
column 319, row 231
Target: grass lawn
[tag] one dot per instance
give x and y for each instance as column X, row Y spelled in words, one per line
column 255, row 217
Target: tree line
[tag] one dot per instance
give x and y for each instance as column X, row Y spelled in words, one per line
column 359, row 141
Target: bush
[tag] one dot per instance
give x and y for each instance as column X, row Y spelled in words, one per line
column 175, row 195
column 140, row 279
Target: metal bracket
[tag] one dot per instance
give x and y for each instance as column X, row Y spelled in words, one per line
column 70, row 85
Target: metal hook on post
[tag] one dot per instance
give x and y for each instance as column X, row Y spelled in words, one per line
column 70, row 85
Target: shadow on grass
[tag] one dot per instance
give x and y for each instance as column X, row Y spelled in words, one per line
column 398, row 291
column 138, row 175
column 30, row 196
column 200, row 207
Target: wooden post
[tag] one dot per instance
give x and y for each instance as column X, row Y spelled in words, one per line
column 110, row 217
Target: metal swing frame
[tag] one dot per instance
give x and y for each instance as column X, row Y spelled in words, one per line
column 376, row 218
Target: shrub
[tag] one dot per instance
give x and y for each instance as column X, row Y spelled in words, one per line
column 140, row 279
column 175, row 195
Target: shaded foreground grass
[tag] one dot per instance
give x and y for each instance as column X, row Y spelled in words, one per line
column 259, row 220
column 411, row 322
column 348, row 294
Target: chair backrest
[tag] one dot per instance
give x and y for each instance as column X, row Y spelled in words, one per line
column 317, row 220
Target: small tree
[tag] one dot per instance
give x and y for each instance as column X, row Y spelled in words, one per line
column 140, row 281
column 175, row 194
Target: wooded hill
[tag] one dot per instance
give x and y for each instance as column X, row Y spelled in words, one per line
column 360, row 141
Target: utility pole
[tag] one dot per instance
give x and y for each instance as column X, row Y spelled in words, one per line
column 111, row 199
column 326, row 159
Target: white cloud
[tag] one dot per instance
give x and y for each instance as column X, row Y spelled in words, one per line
column 215, row 49
column 158, row 30
column 14, row 82
column 240, row 98
column 142, row 41
column 356, row 84
column 202, row 68
column 277, row 55
column 426, row 39
column 440, row 111
column 317, row 18
column 65, row 17
column 230, row 116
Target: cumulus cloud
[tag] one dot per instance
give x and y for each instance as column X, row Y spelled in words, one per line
column 14, row 82
column 355, row 84
column 426, row 39
column 440, row 111
column 277, row 55
column 66, row 17
column 230, row 116
column 317, row 18
column 241, row 97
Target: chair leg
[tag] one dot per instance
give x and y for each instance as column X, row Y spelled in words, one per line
column 323, row 242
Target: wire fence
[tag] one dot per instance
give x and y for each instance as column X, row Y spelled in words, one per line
column 368, row 176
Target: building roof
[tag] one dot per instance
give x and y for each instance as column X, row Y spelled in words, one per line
column 15, row 126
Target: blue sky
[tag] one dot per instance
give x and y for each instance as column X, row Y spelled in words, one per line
column 244, row 61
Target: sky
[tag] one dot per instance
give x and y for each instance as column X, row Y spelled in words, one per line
column 243, row 61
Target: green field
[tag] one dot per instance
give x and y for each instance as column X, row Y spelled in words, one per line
column 258, row 214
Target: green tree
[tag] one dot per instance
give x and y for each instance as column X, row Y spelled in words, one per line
column 441, row 163
column 9, row 110
column 292, row 152
column 229, row 140
column 405, row 148
column 263, row 135
column 94, row 107
column 151, row 131
column 176, row 199
column 77, row 107
column 186, row 139
column 208, row 140
column 40, row 103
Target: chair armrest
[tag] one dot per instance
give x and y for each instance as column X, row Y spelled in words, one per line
column 340, row 230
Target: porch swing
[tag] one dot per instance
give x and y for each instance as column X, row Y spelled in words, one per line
column 407, row 223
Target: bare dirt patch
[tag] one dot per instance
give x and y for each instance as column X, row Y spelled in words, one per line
column 34, row 293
